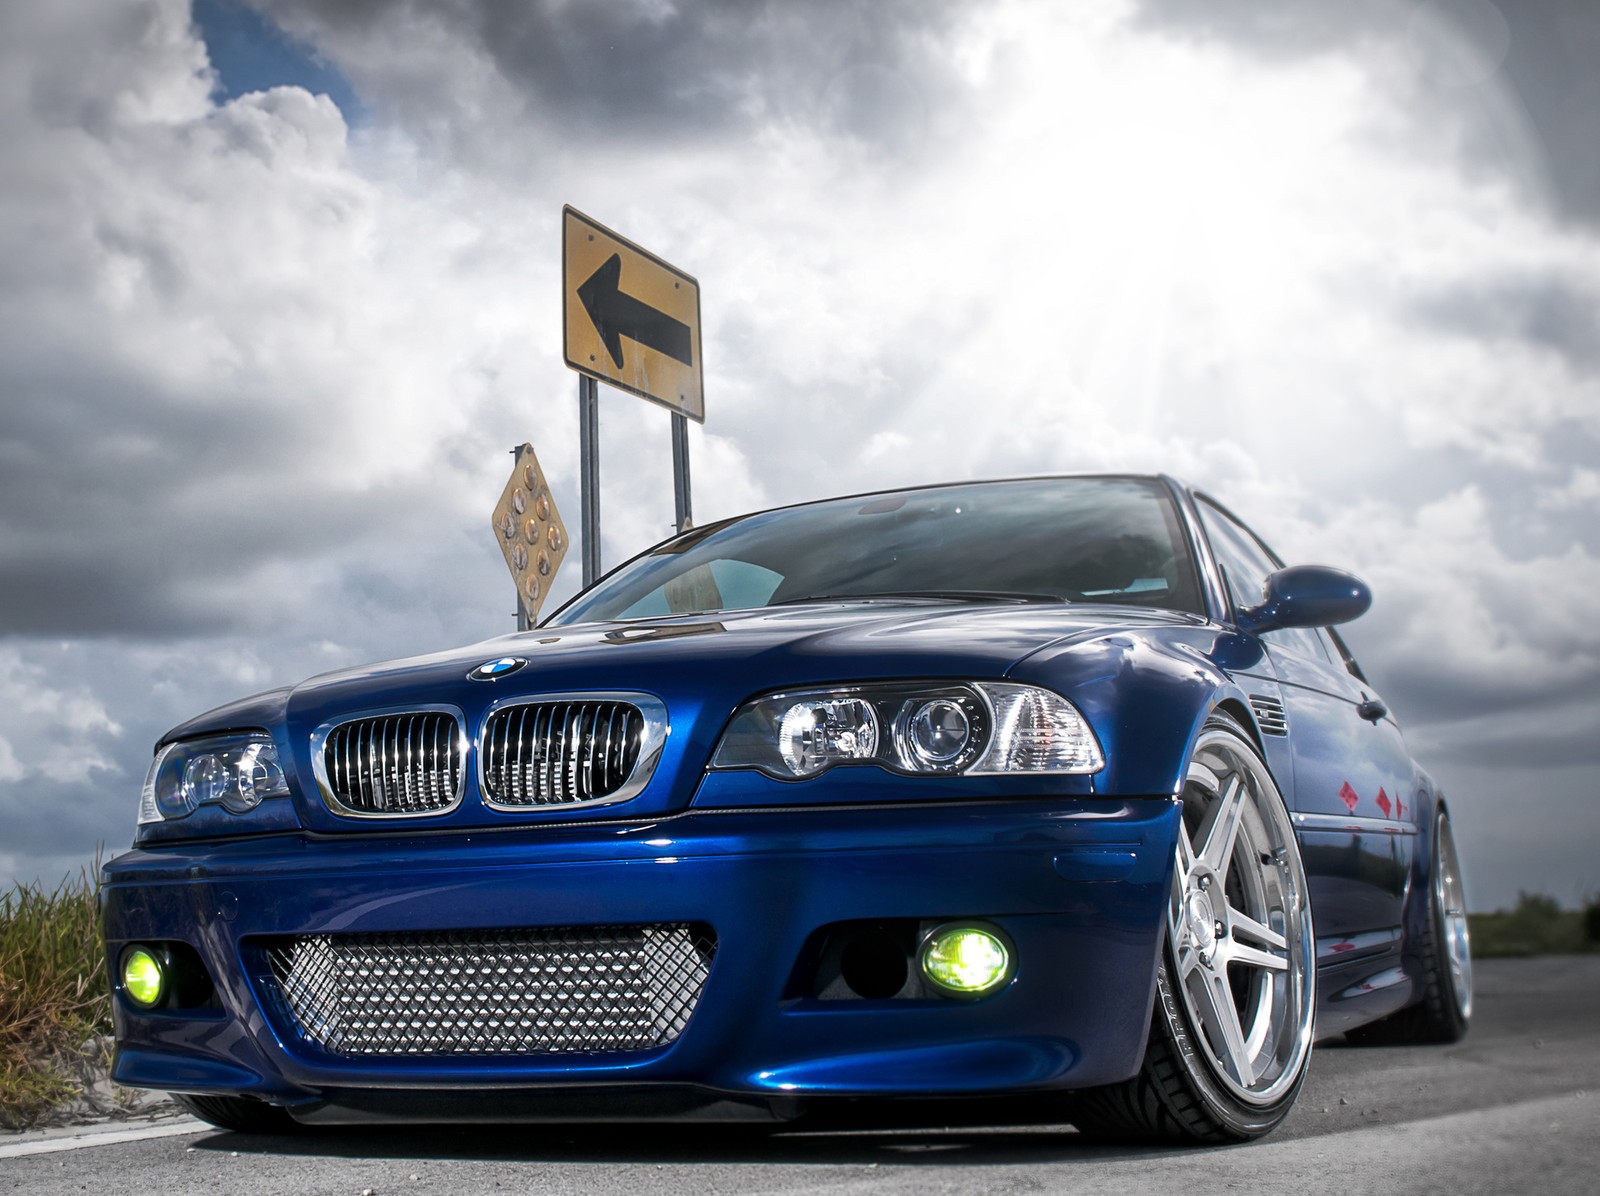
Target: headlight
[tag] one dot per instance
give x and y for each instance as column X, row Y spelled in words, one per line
column 236, row 772
column 978, row 728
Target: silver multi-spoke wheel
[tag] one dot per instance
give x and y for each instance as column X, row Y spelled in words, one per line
column 1450, row 897
column 1231, row 1034
column 1239, row 924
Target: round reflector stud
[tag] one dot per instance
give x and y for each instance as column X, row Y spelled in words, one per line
column 966, row 961
column 143, row 978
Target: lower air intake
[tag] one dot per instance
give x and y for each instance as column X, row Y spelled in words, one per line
column 492, row 992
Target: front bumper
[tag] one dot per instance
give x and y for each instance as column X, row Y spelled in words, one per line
column 1079, row 886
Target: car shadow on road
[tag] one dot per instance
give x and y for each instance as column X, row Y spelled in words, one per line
column 668, row 1144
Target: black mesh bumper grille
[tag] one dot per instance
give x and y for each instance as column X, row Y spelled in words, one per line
column 583, row 988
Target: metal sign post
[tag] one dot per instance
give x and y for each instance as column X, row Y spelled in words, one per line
column 525, row 617
column 589, row 474
column 680, row 473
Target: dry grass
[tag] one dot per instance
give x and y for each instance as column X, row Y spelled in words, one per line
column 53, row 993
column 1537, row 926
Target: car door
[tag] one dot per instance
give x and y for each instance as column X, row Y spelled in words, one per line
column 1353, row 781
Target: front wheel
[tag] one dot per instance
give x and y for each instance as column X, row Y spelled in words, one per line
column 1231, row 1032
column 241, row 1114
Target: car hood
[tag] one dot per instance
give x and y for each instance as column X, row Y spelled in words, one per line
column 701, row 667
column 733, row 654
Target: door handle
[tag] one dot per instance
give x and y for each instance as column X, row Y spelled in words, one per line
column 1371, row 709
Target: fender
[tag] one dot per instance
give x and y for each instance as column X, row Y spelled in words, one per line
column 1147, row 697
column 261, row 711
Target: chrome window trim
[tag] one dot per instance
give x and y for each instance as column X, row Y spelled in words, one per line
column 319, row 768
column 1214, row 595
column 656, row 730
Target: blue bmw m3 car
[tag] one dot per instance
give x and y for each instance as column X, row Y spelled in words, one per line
column 1061, row 789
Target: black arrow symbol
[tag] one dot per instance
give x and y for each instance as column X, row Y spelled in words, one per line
column 616, row 315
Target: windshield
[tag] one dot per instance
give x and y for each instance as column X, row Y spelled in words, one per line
column 1054, row 539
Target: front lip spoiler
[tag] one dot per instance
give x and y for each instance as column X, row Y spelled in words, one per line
column 589, row 1103
column 682, row 1104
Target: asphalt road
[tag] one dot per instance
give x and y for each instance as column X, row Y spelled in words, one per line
column 1515, row 1107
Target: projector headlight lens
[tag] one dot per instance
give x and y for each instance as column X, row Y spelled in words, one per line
column 939, row 734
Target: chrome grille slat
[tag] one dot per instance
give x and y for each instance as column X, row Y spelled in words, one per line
column 547, row 741
column 551, row 990
column 393, row 764
column 394, row 778
column 380, row 738
column 402, row 761
column 563, row 752
column 413, row 761
column 571, row 745
column 605, row 756
column 566, row 785
column 554, row 753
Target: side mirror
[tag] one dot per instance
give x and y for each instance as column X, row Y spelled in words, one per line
column 1307, row 596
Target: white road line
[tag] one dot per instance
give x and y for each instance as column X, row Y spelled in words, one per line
column 167, row 1129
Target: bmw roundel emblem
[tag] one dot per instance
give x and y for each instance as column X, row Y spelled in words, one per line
column 493, row 670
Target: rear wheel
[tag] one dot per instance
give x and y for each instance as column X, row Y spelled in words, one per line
column 1230, row 1036
column 1445, row 956
column 239, row 1113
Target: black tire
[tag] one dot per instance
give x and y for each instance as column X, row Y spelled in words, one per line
column 1444, row 958
column 1231, row 1031
column 241, row 1114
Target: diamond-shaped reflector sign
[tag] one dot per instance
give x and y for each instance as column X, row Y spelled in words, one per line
column 530, row 532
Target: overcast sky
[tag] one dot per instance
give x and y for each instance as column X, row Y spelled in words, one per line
column 280, row 286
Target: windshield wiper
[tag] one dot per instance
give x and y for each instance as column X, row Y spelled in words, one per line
column 1011, row 596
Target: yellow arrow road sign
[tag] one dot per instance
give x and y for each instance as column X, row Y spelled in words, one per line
column 630, row 319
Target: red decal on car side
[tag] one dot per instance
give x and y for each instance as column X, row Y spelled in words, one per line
column 1383, row 802
column 1350, row 797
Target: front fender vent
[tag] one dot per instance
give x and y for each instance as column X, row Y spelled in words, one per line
column 1270, row 716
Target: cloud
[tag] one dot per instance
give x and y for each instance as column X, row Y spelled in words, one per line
column 61, row 751
column 1502, row 84
column 1556, row 310
column 10, row 767
column 209, row 316
column 489, row 79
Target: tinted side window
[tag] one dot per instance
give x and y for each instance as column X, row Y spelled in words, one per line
column 1245, row 563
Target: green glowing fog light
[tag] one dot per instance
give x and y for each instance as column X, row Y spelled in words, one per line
column 966, row 960
column 143, row 978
